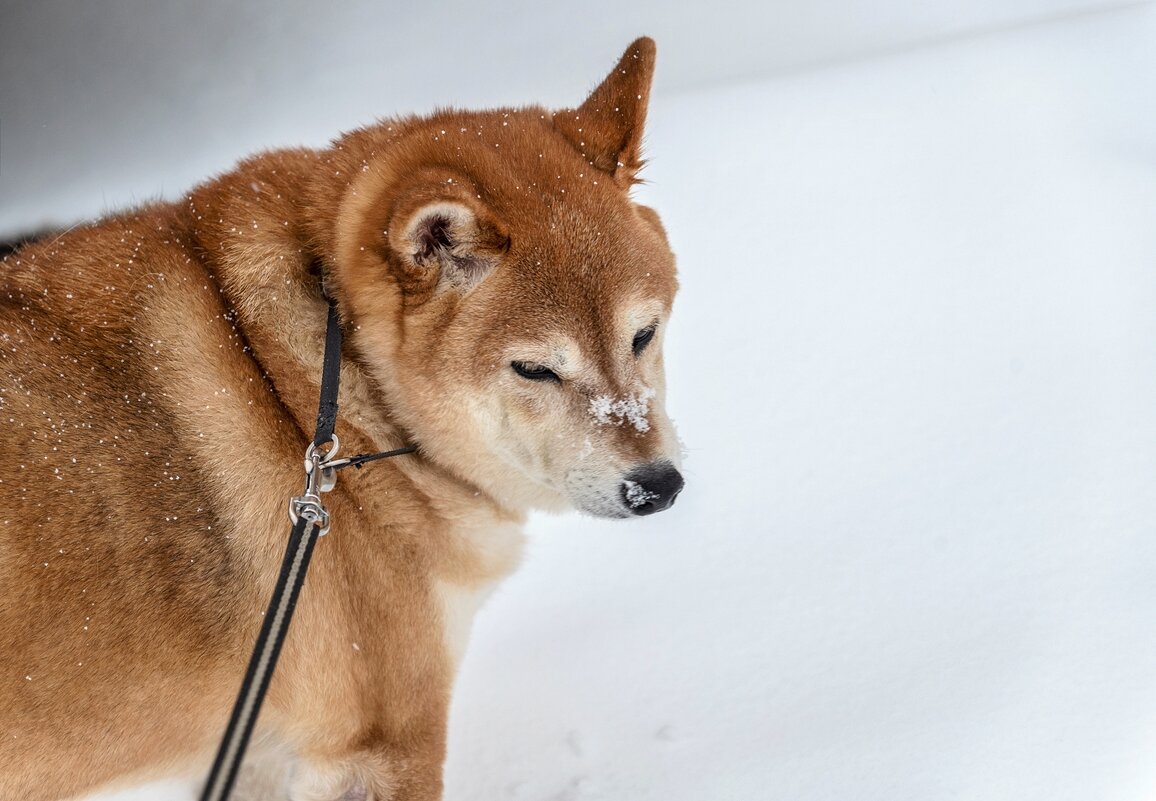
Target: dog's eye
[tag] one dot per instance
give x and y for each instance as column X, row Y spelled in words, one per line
column 534, row 372
column 642, row 339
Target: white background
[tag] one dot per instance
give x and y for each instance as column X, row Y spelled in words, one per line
column 913, row 361
column 110, row 103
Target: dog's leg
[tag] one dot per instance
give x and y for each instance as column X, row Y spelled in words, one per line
column 265, row 773
column 373, row 778
column 383, row 774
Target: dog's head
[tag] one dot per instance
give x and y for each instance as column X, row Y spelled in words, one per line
column 510, row 298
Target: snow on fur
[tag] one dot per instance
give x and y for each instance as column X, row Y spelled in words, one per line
column 614, row 411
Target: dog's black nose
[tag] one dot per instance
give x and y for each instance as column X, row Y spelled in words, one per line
column 651, row 488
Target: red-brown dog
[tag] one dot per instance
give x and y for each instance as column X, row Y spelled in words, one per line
column 504, row 302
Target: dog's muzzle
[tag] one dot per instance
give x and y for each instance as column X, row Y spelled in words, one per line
column 651, row 488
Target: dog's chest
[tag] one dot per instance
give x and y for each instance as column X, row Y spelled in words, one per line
column 492, row 552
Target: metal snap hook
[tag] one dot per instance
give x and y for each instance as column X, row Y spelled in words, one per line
column 320, row 477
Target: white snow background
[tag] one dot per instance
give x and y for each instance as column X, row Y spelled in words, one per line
column 914, row 363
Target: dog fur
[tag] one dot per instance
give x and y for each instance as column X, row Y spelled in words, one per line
column 159, row 379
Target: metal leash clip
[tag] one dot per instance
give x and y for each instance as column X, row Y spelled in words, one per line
column 320, row 476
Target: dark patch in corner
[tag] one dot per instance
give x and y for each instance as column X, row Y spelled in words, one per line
column 12, row 244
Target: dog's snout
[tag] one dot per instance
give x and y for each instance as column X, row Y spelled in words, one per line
column 651, row 488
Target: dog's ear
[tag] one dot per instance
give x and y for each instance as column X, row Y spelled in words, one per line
column 448, row 243
column 607, row 128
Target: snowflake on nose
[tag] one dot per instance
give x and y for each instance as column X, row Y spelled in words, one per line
column 614, row 411
column 637, row 495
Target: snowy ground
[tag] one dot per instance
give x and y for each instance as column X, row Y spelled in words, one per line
column 914, row 361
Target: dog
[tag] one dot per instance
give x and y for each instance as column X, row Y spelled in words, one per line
column 504, row 302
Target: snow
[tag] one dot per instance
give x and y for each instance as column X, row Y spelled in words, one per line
column 631, row 408
column 914, row 360
column 637, row 495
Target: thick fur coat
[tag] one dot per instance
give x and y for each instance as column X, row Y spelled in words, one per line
column 503, row 301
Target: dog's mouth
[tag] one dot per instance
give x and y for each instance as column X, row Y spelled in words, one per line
column 645, row 490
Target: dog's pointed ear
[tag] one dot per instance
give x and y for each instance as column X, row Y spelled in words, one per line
column 448, row 243
column 607, row 128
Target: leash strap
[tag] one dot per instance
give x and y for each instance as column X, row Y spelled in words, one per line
column 330, row 378
column 264, row 659
column 310, row 521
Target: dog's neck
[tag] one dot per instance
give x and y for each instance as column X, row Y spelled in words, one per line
column 251, row 226
column 267, row 244
column 264, row 243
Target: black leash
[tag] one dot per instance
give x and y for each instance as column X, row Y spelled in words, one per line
column 310, row 521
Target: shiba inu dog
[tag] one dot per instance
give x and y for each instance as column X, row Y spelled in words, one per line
column 503, row 301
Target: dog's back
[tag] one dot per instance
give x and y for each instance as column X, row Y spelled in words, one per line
column 109, row 550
